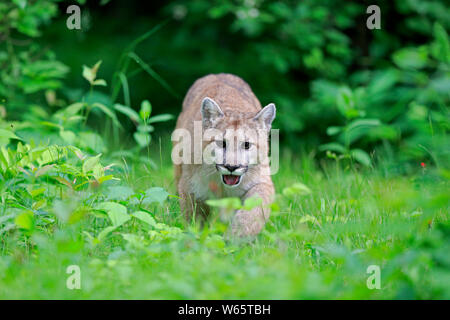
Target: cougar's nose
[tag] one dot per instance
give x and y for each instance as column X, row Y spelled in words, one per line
column 230, row 168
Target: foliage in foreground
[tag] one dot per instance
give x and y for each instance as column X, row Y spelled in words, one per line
column 130, row 241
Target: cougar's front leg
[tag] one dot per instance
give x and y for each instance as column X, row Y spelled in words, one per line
column 247, row 223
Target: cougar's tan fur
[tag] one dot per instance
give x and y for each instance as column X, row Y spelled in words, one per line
column 199, row 182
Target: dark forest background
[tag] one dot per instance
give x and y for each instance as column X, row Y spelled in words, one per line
column 338, row 86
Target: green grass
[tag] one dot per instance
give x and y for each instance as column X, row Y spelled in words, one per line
column 317, row 246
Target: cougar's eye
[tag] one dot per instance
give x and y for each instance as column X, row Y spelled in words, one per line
column 246, row 145
column 221, row 144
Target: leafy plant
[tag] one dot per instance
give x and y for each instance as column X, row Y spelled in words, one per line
column 142, row 121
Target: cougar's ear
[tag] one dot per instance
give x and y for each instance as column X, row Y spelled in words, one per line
column 211, row 112
column 266, row 116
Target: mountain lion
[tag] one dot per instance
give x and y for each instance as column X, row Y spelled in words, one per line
column 222, row 140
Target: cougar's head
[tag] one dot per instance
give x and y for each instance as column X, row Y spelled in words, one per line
column 235, row 142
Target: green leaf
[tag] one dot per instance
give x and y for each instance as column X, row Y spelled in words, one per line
column 88, row 75
column 155, row 194
column 345, row 102
column 411, row 58
column 160, row 118
column 331, row 131
column 232, row 203
column 363, row 123
column 142, row 138
column 333, row 146
column 119, row 193
column 99, row 82
column 7, row 134
column 145, row 217
column 20, row 3
column 361, row 156
column 145, row 128
column 146, row 110
column 25, row 220
column 296, row 189
column 130, row 113
column 442, row 43
column 108, row 112
column 252, row 202
column 102, row 235
column 91, row 73
column 68, row 136
column 359, row 128
column 116, row 212
column 73, row 109
column 91, row 141
column 90, row 163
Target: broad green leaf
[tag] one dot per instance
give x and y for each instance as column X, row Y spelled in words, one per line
column 145, row 217
column 252, row 202
column 333, row 146
column 51, row 154
column 155, row 194
column 98, row 171
column 232, row 203
column 363, row 123
column 361, row 156
column 90, row 163
column 73, row 109
column 102, row 235
column 411, row 58
column 68, row 136
column 119, row 193
column 91, row 141
column 8, row 134
column 296, row 189
column 116, row 212
column 358, row 128
column 25, row 220
column 34, row 193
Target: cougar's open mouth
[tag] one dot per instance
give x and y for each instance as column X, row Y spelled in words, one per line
column 231, row 180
